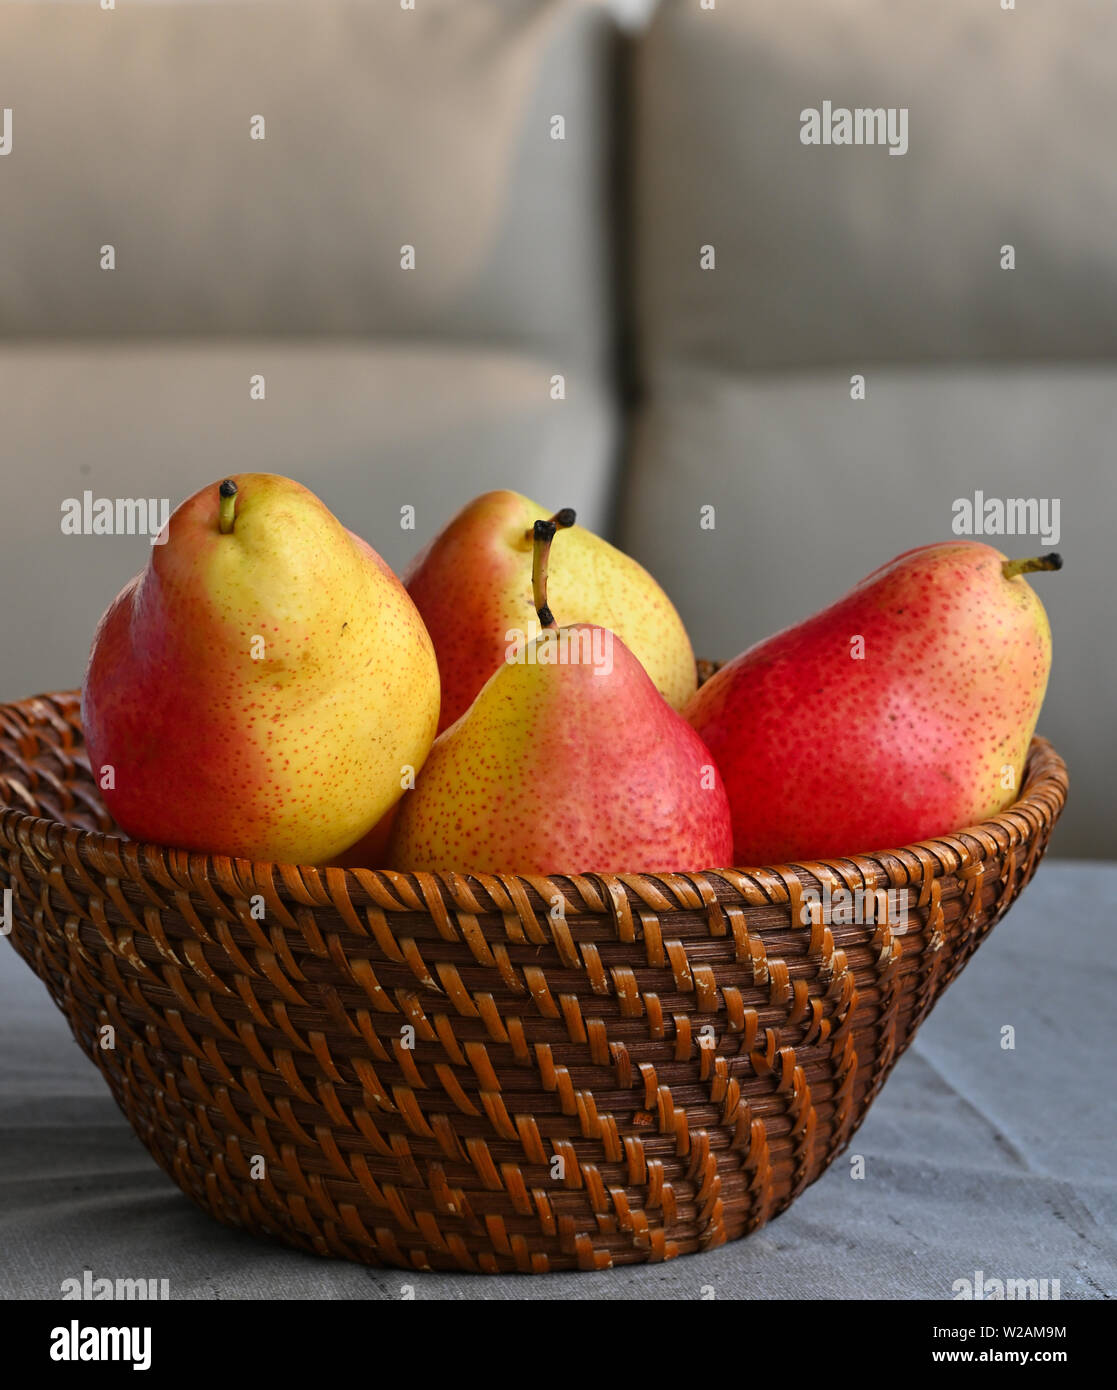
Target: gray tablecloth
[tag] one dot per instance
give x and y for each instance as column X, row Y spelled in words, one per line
column 977, row 1157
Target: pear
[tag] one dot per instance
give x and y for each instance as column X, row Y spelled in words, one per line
column 262, row 686
column 568, row 761
column 472, row 584
column 903, row 711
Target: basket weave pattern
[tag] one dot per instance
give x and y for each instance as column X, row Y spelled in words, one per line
column 695, row 1049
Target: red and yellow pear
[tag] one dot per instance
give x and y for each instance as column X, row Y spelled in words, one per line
column 261, row 687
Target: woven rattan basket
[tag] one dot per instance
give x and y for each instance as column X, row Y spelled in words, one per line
column 451, row 1072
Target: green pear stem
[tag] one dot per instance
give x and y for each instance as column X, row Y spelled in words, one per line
column 227, row 507
column 1011, row 568
column 542, row 534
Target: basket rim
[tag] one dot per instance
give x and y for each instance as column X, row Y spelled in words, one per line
column 1041, row 800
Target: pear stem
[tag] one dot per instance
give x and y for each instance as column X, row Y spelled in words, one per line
column 542, row 534
column 565, row 516
column 1011, row 568
column 227, row 507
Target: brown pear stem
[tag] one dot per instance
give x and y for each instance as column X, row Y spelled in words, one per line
column 1011, row 568
column 563, row 517
column 227, row 507
column 542, row 534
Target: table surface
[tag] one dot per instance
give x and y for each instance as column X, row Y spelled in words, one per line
column 977, row 1156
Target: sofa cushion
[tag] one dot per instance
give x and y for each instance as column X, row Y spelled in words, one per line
column 383, row 127
column 846, row 253
column 812, row 490
column 370, row 428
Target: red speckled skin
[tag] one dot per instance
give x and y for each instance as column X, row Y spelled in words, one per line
column 824, row 755
column 556, row 770
column 293, row 757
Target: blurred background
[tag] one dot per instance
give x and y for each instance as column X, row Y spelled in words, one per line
column 630, row 289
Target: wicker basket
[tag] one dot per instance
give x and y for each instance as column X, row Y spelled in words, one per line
column 449, row 1072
